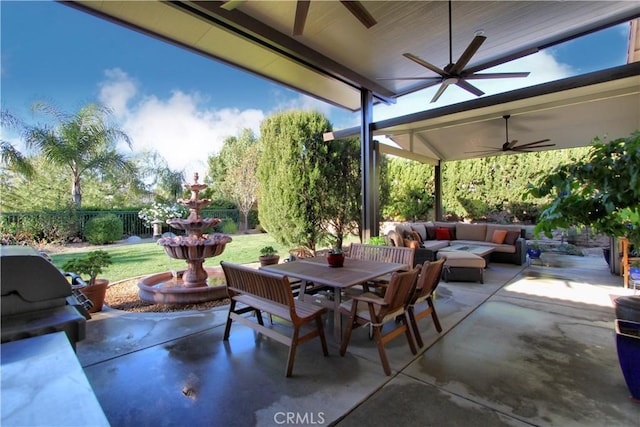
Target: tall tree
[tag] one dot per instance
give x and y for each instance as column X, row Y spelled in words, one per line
column 81, row 142
column 10, row 156
column 292, row 161
column 343, row 200
column 241, row 183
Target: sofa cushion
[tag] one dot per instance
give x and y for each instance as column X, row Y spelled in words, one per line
column 493, row 227
column 499, row 236
column 431, row 232
column 511, row 237
column 420, row 229
column 471, row 231
column 434, row 245
column 510, row 249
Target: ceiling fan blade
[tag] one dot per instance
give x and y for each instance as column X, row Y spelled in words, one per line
column 532, row 144
column 231, row 4
column 441, row 89
column 302, row 9
column 501, row 60
column 425, row 64
column 435, row 80
column 357, row 9
column 533, row 148
column 467, row 54
column 496, row 75
column 469, row 87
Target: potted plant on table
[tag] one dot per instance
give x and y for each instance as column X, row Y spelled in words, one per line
column 91, row 266
column 268, row 256
column 335, row 257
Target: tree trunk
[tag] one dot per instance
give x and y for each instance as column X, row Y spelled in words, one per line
column 76, row 192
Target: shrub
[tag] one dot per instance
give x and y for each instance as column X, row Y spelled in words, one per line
column 229, row 226
column 104, row 229
column 41, row 227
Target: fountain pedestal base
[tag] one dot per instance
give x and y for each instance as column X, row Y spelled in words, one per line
column 194, row 276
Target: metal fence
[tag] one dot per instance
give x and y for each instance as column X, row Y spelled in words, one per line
column 14, row 222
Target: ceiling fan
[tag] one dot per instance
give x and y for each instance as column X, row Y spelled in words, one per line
column 455, row 73
column 512, row 145
column 302, row 9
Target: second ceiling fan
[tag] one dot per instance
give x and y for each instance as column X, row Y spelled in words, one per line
column 456, row 73
column 513, row 144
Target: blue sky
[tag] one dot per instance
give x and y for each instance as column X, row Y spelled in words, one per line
column 184, row 105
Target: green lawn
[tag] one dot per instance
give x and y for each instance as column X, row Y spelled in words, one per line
column 148, row 258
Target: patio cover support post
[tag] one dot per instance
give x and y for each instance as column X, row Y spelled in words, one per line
column 368, row 161
column 437, row 177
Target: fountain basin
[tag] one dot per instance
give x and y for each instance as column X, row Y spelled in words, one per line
column 194, row 248
column 193, row 252
column 198, row 225
column 168, row 288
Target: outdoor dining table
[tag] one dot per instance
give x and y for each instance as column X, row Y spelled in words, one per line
column 317, row 270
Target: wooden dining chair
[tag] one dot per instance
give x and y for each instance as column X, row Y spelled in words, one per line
column 395, row 254
column 426, row 285
column 371, row 309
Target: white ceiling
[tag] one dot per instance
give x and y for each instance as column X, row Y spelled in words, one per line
column 336, row 55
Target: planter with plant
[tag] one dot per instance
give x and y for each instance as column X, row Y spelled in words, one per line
column 634, row 270
column 533, row 250
column 91, row 265
column 335, row 258
column 268, row 256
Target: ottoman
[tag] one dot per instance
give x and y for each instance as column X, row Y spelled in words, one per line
column 462, row 266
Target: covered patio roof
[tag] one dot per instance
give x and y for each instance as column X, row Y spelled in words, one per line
column 335, row 56
column 569, row 112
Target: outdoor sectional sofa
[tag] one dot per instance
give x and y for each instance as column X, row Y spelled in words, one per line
column 428, row 238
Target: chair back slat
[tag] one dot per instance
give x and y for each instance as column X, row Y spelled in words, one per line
column 429, row 279
column 379, row 253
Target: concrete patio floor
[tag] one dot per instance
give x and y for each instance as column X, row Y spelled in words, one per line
column 534, row 345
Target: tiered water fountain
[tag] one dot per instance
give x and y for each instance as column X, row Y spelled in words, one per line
column 190, row 285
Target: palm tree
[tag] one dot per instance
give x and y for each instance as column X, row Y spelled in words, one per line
column 82, row 142
column 10, row 156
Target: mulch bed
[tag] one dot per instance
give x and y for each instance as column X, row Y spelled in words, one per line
column 124, row 296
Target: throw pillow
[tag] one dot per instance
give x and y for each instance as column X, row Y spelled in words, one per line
column 416, row 236
column 431, row 232
column 511, row 237
column 443, row 233
column 499, row 236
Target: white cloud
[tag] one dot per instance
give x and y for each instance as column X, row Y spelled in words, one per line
column 180, row 128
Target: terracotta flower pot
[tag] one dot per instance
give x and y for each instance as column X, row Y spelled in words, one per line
column 96, row 294
column 269, row 259
column 335, row 260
